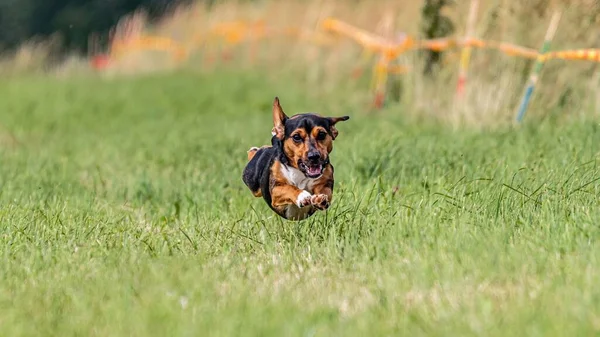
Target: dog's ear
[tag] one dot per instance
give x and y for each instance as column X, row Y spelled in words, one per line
column 333, row 121
column 279, row 119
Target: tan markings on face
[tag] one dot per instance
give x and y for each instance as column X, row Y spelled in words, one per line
column 296, row 146
column 322, row 140
column 299, row 143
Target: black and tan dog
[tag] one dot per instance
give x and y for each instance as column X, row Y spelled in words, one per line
column 294, row 175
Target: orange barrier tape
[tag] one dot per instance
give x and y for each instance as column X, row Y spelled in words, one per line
column 148, row 42
column 236, row 31
column 580, row 54
column 379, row 44
column 375, row 43
column 392, row 69
column 513, row 50
column 307, row 35
column 366, row 39
column 436, row 44
column 507, row 48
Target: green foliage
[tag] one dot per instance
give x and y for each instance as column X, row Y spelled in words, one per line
column 123, row 213
column 74, row 21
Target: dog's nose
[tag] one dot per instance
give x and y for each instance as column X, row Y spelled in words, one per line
column 314, row 156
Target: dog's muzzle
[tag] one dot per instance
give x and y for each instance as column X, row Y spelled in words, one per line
column 313, row 167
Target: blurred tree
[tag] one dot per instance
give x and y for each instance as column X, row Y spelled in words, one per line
column 434, row 25
column 74, row 20
column 15, row 19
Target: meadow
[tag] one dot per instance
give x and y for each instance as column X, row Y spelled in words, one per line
column 123, row 213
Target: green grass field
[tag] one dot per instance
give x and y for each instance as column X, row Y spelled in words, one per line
column 123, row 213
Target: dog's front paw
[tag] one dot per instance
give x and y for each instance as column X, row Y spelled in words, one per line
column 304, row 199
column 320, row 201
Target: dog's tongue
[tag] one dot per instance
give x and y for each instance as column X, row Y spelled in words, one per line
column 313, row 170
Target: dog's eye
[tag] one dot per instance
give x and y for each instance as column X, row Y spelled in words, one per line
column 297, row 138
column 321, row 135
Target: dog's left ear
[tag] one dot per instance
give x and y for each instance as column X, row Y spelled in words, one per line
column 279, row 118
column 333, row 121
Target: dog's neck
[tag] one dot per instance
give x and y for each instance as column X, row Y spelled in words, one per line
column 278, row 145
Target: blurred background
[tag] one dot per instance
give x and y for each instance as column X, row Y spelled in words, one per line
column 125, row 37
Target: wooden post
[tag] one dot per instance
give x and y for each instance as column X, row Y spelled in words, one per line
column 539, row 63
column 466, row 51
column 380, row 70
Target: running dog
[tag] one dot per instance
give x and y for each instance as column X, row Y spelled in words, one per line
column 294, row 175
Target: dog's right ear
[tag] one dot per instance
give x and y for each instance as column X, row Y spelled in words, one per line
column 333, row 121
column 279, row 119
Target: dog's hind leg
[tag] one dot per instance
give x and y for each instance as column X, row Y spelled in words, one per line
column 257, row 194
column 253, row 150
column 253, row 171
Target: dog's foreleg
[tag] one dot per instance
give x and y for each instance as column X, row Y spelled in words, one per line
column 323, row 191
column 322, row 198
column 284, row 195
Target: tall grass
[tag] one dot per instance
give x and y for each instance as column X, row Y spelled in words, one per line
column 123, row 214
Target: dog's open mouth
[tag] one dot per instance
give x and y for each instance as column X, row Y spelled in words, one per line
column 311, row 170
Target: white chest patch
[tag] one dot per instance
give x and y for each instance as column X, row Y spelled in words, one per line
column 297, row 178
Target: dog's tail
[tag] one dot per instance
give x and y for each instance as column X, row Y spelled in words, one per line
column 252, row 152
